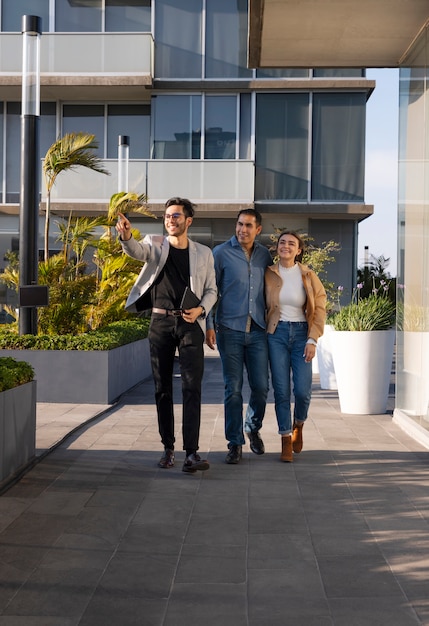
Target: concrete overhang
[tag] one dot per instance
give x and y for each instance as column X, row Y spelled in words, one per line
column 333, row 33
column 81, row 87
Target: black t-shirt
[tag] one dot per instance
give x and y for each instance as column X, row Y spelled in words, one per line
column 169, row 287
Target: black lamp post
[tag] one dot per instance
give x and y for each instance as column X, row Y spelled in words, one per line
column 29, row 211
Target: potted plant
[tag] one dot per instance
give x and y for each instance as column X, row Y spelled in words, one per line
column 17, row 416
column 89, row 349
column 362, row 347
column 94, row 367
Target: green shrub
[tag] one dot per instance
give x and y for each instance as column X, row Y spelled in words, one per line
column 112, row 336
column 372, row 313
column 14, row 373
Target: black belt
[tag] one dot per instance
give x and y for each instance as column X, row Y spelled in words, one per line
column 173, row 312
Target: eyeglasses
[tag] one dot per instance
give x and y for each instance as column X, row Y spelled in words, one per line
column 173, row 216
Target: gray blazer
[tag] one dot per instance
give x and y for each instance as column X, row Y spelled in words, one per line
column 153, row 251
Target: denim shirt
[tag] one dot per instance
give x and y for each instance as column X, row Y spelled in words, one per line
column 240, row 285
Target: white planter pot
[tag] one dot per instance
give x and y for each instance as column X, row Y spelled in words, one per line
column 325, row 360
column 363, row 365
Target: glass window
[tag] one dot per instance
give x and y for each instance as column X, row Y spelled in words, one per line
column 128, row 16
column 78, row 17
column 220, row 127
column 338, row 154
column 178, row 39
column 226, row 39
column 177, row 127
column 344, row 72
column 245, row 137
column 47, row 135
column 13, row 151
column 281, row 73
column 281, row 147
column 1, row 150
column 13, row 10
column 85, row 118
column 48, row 128
column 132, row 120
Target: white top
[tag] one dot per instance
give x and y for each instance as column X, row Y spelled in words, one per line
column 292, row 295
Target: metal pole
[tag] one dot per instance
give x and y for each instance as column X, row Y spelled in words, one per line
column 29, row 207
column 123, row 156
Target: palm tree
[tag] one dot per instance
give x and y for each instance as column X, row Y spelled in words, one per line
column 67, row 153
column 373, row 275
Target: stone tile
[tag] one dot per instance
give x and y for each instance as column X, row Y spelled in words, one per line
column 212, row 564
column 350, row 576
column 365, row 611
column 208, row 604
column 105, row 608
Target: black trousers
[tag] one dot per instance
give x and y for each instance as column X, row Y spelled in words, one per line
column 166, row 333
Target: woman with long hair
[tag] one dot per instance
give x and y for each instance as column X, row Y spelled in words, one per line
column 296, row 312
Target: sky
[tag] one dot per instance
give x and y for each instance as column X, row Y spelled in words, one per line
column 379, row 232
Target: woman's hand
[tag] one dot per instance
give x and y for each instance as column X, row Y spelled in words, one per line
column 309, row 352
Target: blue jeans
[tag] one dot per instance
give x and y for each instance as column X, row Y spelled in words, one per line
column 238, row 349
column 286, row 348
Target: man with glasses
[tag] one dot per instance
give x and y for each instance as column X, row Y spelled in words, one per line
column 172, row 264
column 240, row 265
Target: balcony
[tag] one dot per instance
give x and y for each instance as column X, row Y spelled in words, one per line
column 78, row 65
column 207, row 183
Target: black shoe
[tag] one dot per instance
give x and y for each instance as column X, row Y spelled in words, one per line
column 193, row 463
column 234, row 455
column 167, row 460
column 256, row 443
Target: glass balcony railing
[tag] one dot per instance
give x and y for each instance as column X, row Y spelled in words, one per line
column 201, row 181
column 82, row 53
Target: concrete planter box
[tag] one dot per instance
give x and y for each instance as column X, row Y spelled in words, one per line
column 17, row 428
column 86, row 377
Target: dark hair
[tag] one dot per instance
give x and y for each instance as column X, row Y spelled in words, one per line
column 188, row 206
column 253, row 212
column 301, row 242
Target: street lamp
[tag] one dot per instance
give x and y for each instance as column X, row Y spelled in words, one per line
column 28, row 217
column 123, row 156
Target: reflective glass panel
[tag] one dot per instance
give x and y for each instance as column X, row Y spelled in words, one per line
column 281, row 147
column 48, row 133
column 178, row 39
column 132, row 120
column 226, row 39
column 338, row 149
column 342, row 72
column 85, row 118
column 1, row 148
column 13, row 10
column 78, row 17
column 13, row 151
column 245, row 126
column 220, row 127
column 177, row 124
column 282, row 73
column 127, row 16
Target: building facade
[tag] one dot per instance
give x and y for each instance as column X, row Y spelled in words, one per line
column 173, row 75
column 387, row 33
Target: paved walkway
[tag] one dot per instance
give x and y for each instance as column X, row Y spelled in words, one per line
column 95, row 534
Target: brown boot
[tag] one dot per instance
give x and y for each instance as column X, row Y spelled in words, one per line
column 286, row 456
column 297, row 438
